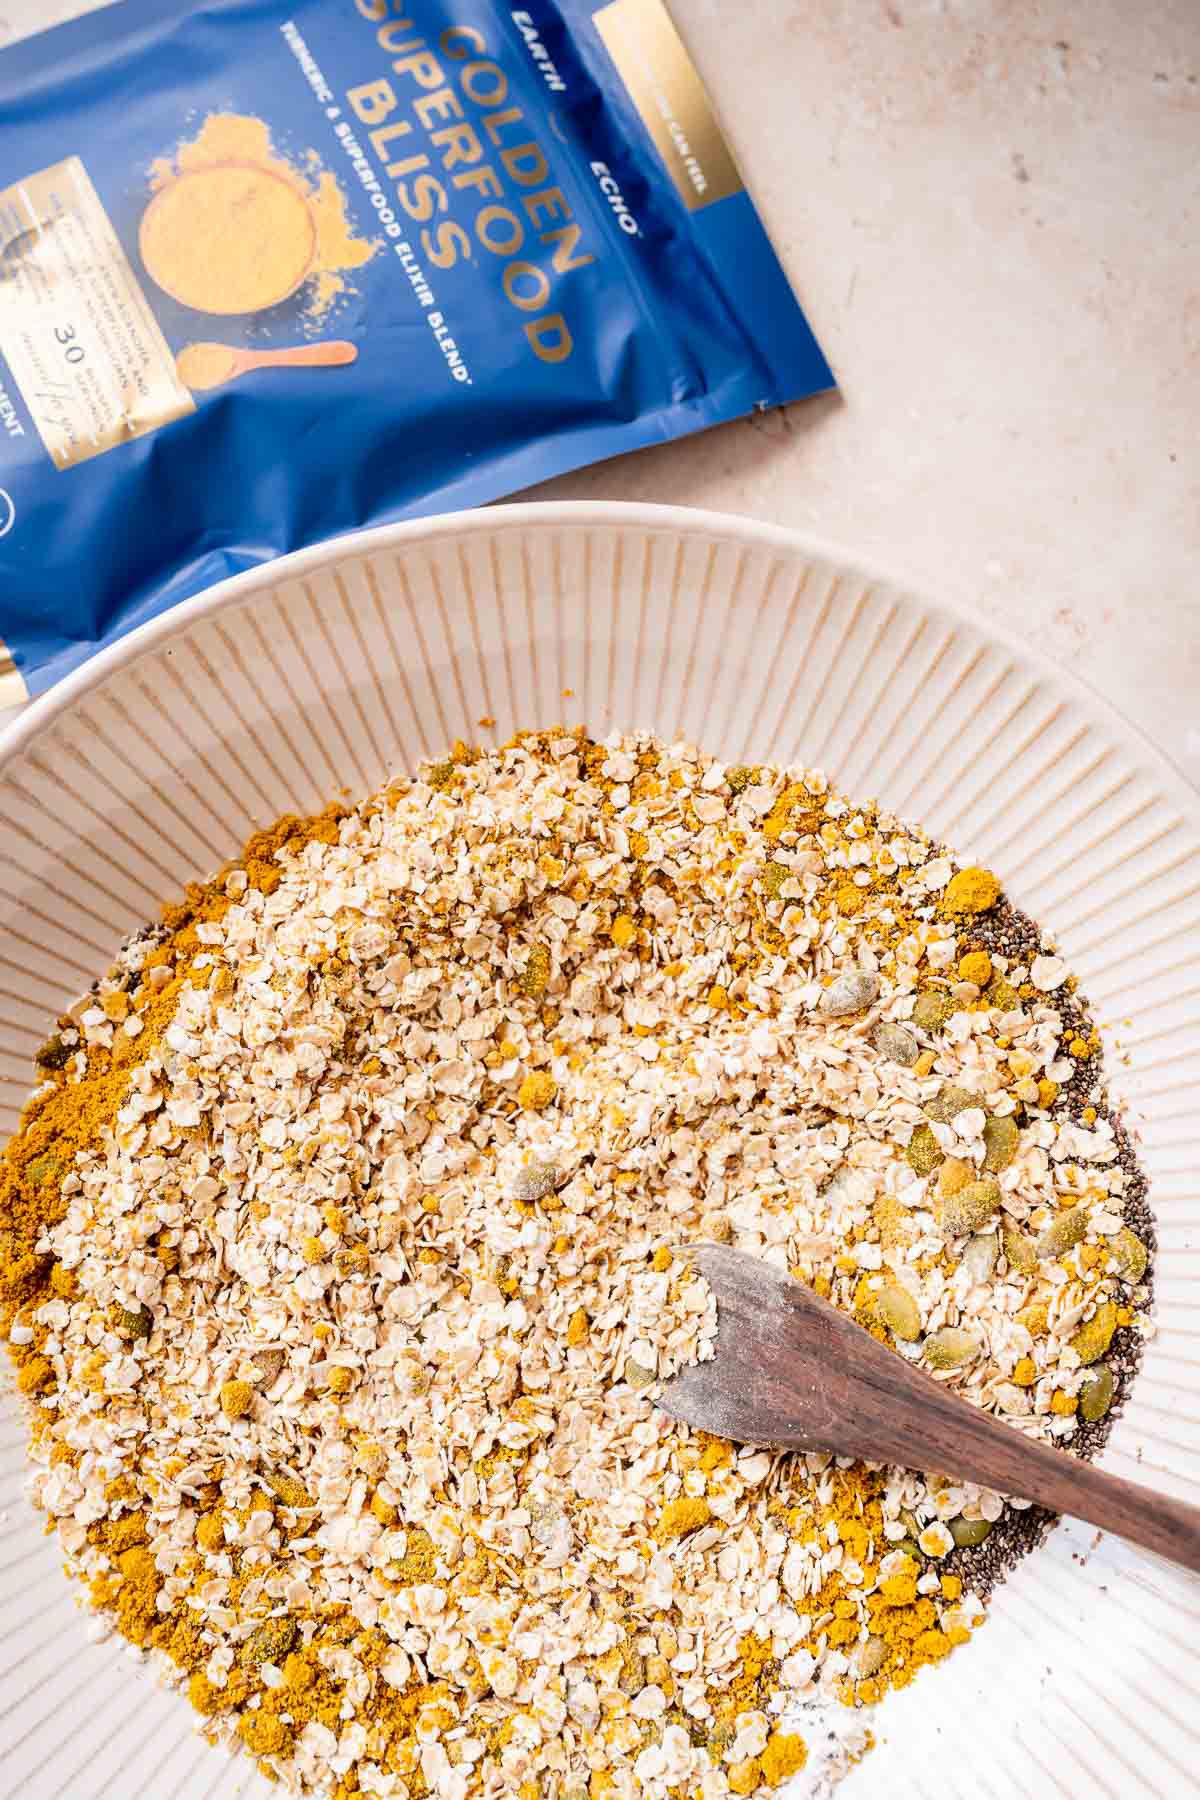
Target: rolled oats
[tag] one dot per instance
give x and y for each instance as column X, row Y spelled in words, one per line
column 345, row 1379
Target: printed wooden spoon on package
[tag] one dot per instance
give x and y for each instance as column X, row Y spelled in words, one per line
column 201, row 366
column 792, row 1371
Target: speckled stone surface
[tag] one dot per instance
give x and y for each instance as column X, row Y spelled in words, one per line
column 991, row 209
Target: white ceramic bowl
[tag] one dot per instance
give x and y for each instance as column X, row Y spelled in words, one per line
column 327, row 670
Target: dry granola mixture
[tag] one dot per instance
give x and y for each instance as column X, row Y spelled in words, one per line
column 340, row 1328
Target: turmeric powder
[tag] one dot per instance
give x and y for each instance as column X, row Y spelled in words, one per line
column 71, row 1110
column 202, row 366
column 682, row 1517
column 137, row 1596
column 786, row 1753
column 235, row 226
column 233, row 238
column 972, row 890
column 537, row 1090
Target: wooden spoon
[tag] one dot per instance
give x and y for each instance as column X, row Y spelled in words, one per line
column 791, row 1370
column 202, row 366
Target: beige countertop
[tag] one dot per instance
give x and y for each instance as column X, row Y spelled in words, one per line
column 991, row 210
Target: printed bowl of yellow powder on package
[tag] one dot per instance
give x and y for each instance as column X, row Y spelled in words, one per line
column 272, row 272
column 340, row 1235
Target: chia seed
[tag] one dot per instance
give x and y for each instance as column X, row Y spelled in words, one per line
column 1006, row 931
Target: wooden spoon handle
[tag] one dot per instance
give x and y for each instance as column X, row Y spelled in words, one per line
column 898, row 1410
column 793, row 1370
column 303, row 356
column 976, row 1447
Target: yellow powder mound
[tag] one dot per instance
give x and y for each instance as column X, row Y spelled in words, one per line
column 224, row 233
column 337, row 246
column 202, row 366
column 232, row 239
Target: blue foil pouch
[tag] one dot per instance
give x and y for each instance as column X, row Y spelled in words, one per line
column 272, row 271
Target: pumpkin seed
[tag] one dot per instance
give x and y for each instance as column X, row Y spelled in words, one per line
column 287, row 1489
column 1130, row 1255
column 947, row 1103
column 970, row 1207
column 1019, row 1249
column 271, row 1642
column 968, row 1534
column 850, row 993
column 773, row 877
column 1000, row 1140
column 1096, row 1392
column 923, row 1152
column 931, row 1009
column 1095, row 1334
column 535, row 976
column 637, row 1374
column 950, row 1348
column 894, row 1042
column 896, row 1308
column 1064, row 1232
